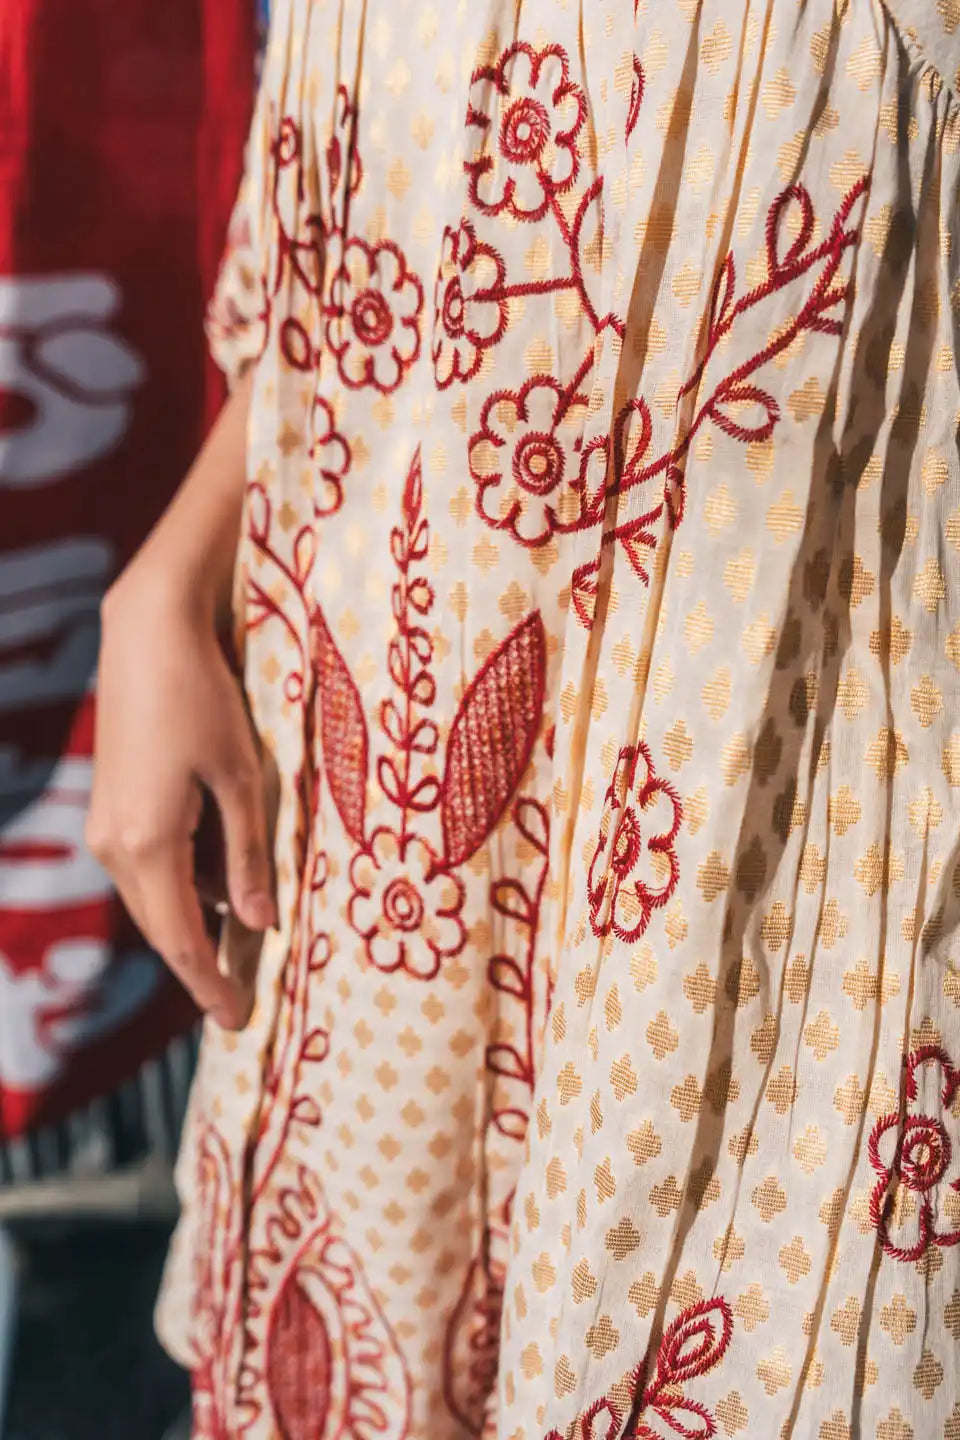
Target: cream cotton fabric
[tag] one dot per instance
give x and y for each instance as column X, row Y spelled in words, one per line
column 599, row 596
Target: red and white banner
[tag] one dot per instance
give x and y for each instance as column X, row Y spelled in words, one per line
column 122, row 124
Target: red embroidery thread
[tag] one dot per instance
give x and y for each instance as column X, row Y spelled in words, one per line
column 634, row 869
column 821, row 312
column 491, row 739
column 692, row 1346
column 472, row 1348
column 529, row 162
column 373, row 315
column 913, row 1155
column 533, row 155
column 470, row 305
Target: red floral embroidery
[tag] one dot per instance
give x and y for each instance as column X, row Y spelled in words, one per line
column 288, row 1330
column 532, row 119
column 332, row 1358
column 470, row 309
column 407, row 898
column 373, row 315
column 295, row 258
column 525, row 459
column 491, row 739
column 737, row 405
column 531, row 156
column 405, row 905
column 370, row 303
column 297, row 274
column 913, row 1154
column 634, row 869
column 374, row 301
column 519, row 461
column 331, row 455
column 692, row 1346
column 344, row 165
column 472, row 1350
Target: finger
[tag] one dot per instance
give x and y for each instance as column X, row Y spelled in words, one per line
column 175, row 926
column 129, row 894
column 237, row 785
column 100, row 842
column 132, row 903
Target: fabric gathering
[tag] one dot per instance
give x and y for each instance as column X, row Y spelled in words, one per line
column 598, row 605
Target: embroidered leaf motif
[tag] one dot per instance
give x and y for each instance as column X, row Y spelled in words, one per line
column 504, row 1060
column 343, row 733
column 306, row 1111
column 724, row 292
column 299, row 1365
column 413, row 492
column 584, row 588
column 636, row 97
column 316, row 1047
column 491, row 739
column 639, row 542
column 512, row 1124
column 631, row 441
column 745, row 412
column 304, row 553
column 505, row 975
column 695, row 1342
column 795, row 198
column 511, row 899
column 534, row 824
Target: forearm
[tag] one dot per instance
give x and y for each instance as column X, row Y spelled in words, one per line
column 189, row 556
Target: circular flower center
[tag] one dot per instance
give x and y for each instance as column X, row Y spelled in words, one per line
column 538, row 463
column 626, row 845
column 924, row 1155
column 524, row 132
column 402, row 905
column 453, row 308
column 372, row 320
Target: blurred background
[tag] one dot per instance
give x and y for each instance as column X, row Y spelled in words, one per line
column 122, row 124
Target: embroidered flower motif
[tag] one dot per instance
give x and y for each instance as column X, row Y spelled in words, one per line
column 693, row 1345
column 524, row 464
column 529, row 154
column 330, row 454
column 373, row 325
column 470, row 312
column 634, row 869
column 405, row 906
column 916, row 1201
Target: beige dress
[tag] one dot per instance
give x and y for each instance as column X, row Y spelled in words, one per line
column 600, row 588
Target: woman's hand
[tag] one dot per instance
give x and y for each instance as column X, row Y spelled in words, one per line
column 171, row 720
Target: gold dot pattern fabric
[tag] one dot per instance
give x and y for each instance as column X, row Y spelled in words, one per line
column 598, row 598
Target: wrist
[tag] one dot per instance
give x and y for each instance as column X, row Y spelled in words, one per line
column 155, row 583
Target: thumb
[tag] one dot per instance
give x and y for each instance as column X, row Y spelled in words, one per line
column 237, row 786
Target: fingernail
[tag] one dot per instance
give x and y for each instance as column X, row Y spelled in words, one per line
column 259, row 911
